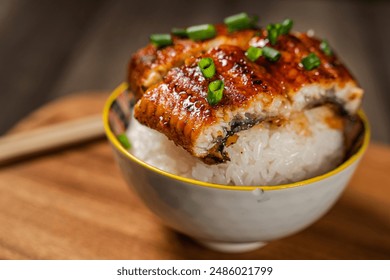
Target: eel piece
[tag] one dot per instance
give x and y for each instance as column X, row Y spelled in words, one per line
column 171, row 91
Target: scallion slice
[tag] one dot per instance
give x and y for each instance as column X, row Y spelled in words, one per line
column 122, row 138
column 240, row 21
column 207, row 67
column 273, row 33
column 180, row 32
column 215, row 92
column 311, row 61
column 271, row 54
column 201, row 32
column 286, row 26
column 325, row 47
column 253, row 53
column 161, row 40
column 274, row 30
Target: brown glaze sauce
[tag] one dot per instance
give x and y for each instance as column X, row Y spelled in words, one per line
column 176, row 104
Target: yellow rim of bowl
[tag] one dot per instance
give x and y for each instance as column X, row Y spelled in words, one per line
column 112, row 138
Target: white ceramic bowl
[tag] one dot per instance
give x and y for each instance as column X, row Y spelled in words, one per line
column 226, row 218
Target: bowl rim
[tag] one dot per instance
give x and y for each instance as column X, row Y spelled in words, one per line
column 115, row 142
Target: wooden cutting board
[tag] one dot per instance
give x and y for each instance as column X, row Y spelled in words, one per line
column 73, row 204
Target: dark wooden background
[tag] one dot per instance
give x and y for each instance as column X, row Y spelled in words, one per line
column 54, row 48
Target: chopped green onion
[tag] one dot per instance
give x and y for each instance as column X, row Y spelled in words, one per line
column 215, row 92
column 273, row 33
column 180, row 32
column 274, row 30
column 201, row 32
column 286, row 26
column 324, row 46
column 253, row 53
column 271, row 54
column 207, row 67
column 161, row 40
column 124, row 141
column 311, row 61
column 240, row 21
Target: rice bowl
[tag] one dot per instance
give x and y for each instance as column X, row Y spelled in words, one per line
column 237, row 135
column 225, row 217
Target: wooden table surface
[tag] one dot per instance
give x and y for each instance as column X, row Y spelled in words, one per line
column 74, row 204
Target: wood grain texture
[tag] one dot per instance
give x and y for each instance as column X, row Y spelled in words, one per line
column 74, row 204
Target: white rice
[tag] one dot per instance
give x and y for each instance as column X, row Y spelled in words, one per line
column 263, row 155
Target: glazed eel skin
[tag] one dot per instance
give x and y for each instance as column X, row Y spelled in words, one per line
column 171, row 92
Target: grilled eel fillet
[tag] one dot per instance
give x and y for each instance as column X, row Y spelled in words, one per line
column 171, row 91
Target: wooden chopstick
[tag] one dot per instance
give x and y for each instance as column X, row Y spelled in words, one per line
column 19, row 145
